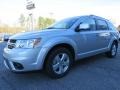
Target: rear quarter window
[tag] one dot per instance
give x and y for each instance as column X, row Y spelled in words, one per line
column 111, row 26
column 101, row 24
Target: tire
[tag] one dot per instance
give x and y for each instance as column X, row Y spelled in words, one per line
column 58, row 62
column 113, row 51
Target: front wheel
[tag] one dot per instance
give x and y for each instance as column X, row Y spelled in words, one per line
column 58, row 62
column 113, row 51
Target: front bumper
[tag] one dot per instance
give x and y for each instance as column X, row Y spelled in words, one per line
column 20, row 60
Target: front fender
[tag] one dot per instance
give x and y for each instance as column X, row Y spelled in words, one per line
column 51, row 43
column 60, row 40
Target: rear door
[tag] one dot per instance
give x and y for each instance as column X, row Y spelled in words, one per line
column 103, row 34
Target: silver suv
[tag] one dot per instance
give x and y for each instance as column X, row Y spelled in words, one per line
column 58, row 46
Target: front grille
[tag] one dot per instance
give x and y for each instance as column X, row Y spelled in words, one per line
column 11, row 43
column 8, row 64
column 11, row 46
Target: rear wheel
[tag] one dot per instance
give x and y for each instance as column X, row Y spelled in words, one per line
column 58, row 62
column 113, row 51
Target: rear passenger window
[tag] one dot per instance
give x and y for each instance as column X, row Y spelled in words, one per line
column 101, row 25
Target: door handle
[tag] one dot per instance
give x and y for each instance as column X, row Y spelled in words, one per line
column 104, row 34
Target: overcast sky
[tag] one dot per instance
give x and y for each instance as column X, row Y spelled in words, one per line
column 10, row 10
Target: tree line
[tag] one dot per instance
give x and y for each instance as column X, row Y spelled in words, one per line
column 24, row 24
column 39, row 23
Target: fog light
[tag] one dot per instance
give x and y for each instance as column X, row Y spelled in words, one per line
column 18, row 66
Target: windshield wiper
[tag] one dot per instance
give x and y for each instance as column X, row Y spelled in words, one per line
column 55, row 28
column 50, row 28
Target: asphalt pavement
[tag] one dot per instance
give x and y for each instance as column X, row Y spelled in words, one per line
column 93, row 73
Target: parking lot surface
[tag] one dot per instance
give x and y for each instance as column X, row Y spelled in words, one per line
column 93, row 73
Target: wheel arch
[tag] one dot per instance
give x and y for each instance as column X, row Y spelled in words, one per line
column 113, row 40
column 116, row 42
column 65, row 45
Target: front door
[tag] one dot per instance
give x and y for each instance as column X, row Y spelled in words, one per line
column 86, row 39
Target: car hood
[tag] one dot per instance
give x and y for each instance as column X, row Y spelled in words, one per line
column 37, row 34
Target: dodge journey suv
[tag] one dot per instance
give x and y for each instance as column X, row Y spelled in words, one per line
column 55, row 48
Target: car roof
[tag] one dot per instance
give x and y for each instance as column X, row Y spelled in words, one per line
column 98, row 17
column 92, row 16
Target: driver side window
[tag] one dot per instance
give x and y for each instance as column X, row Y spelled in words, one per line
column 90, row 21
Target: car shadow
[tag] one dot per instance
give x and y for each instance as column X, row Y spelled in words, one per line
column 89, row 60
column 77, row 64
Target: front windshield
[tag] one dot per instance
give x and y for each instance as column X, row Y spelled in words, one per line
column 64, row 24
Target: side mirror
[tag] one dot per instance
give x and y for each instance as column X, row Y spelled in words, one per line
column 84, row 26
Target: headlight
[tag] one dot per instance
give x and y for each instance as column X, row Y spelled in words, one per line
column 32, row 43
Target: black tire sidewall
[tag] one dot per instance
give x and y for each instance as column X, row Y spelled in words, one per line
column 53, row 53
column 109, row 54
column 112, row 48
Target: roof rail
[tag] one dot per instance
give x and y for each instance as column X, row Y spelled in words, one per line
column 93, row 16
